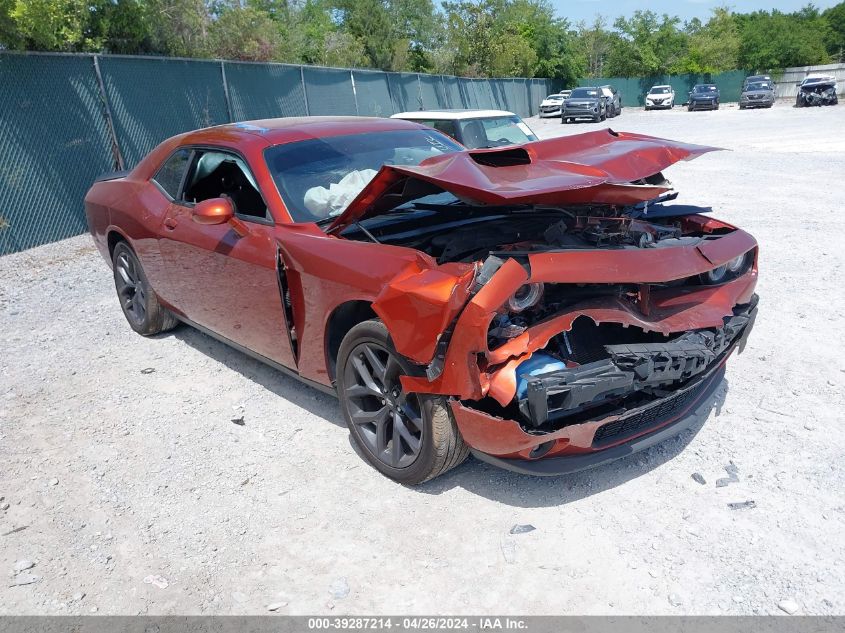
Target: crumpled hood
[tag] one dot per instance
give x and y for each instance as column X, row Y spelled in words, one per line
column 819, row 84
column 592, row 168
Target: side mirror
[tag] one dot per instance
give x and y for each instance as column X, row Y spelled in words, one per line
column 213, row 211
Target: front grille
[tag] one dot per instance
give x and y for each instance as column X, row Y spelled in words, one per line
column 634, row 423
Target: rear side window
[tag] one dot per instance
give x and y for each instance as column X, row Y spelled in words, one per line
column 169, row 176
column 447, row 127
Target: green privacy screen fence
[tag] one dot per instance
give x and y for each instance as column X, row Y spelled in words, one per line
column 634, row 89
column 66, row 119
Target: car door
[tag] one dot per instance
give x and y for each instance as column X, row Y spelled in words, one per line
column 224, row 277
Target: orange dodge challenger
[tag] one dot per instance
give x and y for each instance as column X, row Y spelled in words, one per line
column 546, row 307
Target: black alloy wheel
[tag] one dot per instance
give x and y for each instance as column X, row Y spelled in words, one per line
column 137, row 298
column 130, row 289
column 388, row 421
column 408, row 437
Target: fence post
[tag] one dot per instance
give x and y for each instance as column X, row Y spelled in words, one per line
column 419, row 93
column 354, row 93
column 304, row 91
column 115, row 146
column 226, row 92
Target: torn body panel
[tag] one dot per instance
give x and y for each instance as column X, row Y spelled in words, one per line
column 593, row 168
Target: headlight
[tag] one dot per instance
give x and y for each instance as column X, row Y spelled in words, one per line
column 717, row 274
column 735, row 265
column 734, row 268
column 526, row 296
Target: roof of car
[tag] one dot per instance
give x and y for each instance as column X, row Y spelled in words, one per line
column 819, row 76
column 661, row 86
column 449, row 115
column 289, row 129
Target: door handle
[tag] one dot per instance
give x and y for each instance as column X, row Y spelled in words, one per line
column 170, row 223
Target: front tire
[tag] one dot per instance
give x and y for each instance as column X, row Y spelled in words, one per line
column 137, row 298
column 409, row 438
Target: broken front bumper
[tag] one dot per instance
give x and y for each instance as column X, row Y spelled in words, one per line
column 632, row 368
column 608, row 432
column 659, row 426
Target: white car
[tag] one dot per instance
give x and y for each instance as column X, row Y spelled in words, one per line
column 660, row 97
column 551, row 104
column 475, row 129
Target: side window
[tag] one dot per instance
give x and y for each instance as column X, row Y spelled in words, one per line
column 169, row 175
column 218, row 174
column 447, row 127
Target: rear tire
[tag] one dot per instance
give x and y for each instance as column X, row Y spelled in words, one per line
column 137, row 298
column 409, row 438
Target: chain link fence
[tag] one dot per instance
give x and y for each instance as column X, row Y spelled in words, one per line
column 65, row 119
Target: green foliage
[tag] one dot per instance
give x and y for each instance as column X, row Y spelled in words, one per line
column 777, row 40
column 53, row 25
column 246, row 33
column 713, row 47
column 463, row 37
column 835, row 17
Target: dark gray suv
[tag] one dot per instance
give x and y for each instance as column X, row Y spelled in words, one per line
column 757, row 94
column 584, row 103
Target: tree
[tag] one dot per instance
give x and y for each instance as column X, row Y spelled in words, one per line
column 713, row 47
column 53, row 25
column 593, row 44
column 122, row 26
column 368, row 22
column 777, row 40
column 179, row 27
column 648, row 45
column 343, row 51
column 248, row 34
column 835, row 17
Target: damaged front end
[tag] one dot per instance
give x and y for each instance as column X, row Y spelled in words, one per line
column 576, row 322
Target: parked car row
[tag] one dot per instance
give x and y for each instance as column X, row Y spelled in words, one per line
column 597, row 103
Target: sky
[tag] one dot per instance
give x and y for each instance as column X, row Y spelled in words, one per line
column 577, row 10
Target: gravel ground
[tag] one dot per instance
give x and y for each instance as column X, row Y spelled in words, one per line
column 129, row 490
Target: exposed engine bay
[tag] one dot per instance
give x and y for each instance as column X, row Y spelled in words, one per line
column 460, row 232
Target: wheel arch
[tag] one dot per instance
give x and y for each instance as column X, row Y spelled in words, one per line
column 113, row 237
column 342, row 319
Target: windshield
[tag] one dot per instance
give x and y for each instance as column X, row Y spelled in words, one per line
column 702, row 89
column 318, row 178
column 660, row 90
column 554, row 98
column 494, row 132
column 760, row 85
column 818, row 80
column 584, row 93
